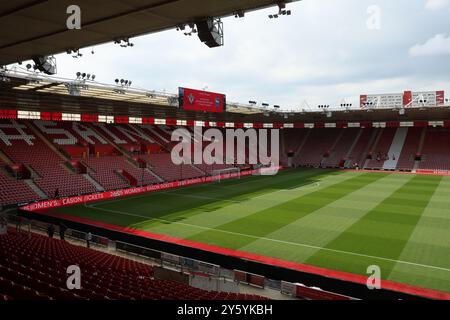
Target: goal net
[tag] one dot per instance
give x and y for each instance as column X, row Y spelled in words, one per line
column 228, row 173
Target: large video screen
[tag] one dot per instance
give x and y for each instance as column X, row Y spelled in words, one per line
column 197, row 100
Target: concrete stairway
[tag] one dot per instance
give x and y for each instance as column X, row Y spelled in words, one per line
column 93, row 182
column 35, row 188
column 396, row 149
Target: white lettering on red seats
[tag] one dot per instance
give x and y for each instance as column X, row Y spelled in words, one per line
column 134, row 132
column 150, row 128
column 86, row 133
column 116, row 139
column 44, row 127
column 7, row 138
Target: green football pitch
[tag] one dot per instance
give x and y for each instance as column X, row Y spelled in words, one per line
column 340, row 220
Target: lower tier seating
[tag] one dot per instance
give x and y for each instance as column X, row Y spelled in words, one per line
column 34, row 267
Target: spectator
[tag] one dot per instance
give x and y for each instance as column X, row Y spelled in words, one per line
column 19, row 224
column 50, row 230
column 57, row 193
column 62, row 231
column 88, row 239
column 3, row 225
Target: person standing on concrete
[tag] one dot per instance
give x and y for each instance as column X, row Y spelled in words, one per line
column 88, row 239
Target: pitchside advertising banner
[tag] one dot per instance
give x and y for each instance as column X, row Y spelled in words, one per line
column 197, row 100
column 49, row 204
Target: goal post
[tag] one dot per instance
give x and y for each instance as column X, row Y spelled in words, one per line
column 228, row 173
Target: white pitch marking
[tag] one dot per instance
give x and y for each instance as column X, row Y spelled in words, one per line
column 273, row 240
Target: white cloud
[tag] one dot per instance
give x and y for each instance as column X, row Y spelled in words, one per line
column 438, row 45
column 436, row 4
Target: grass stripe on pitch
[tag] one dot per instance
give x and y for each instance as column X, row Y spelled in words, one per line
column 382, row 232
column 264, row 222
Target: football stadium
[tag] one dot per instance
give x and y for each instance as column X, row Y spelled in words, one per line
column 110, row 191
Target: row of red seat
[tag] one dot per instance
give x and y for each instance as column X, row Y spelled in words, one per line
column 329, row 147
column 34, row 267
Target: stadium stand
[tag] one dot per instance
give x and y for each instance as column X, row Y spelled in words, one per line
column 410, row 149
column 33, row 266
column 116, row 156
column 49, row 171
column 380, row 149
column 319, row 142
column 14, row 191
column 436, row 150
column 358, row 155
column 163, row 166
column 338, row 155
column 108, row 171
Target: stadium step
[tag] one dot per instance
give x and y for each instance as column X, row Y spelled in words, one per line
column 36, row 189
column 203, row 173
column 93, row 182
column 5, row 158
column 155, row 175
column 118, row 148
column 396, row 149
column 422, row 140
column 300, row 147
column 371, row 145
column 352, row 147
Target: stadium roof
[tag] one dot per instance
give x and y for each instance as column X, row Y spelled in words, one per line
column 40, row 93
column 30, row 28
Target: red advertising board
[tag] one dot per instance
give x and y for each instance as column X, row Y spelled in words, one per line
column 440, row 98
column 197, row 100
column 362, row 101
column 407, row 98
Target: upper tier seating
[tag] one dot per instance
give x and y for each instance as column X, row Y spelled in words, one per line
column 35, row 268
column 30, row 150
column 124, row 134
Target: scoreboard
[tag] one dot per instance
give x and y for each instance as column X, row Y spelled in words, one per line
column 400, row 100
column 394, row 100
column 197, row 100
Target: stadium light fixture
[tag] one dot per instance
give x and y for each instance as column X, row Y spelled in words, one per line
column 75, row 53
column 123, row 82
column 124, row 43
column 239, row 14
column 282, row 11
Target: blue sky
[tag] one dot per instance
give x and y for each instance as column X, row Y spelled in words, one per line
column 322, row 54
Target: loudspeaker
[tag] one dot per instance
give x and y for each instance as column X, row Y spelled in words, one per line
column 210, row 32
column 45, row 64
